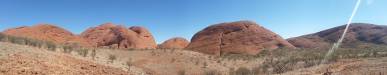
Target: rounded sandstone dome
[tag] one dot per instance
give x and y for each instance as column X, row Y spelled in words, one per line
column 241, row 37
column 174, row 43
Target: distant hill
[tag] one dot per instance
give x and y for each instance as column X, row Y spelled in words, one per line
column 47, row 32
column 359, row 35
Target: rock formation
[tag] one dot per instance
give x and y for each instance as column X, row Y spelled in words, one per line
column 359, row 34
column 174, row 43
column 47, row 32
column 242, row 37
column 120, row 37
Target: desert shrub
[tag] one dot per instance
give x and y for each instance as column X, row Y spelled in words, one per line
column 210, row 72
column 2, row 37
column 16, row 40
column 283, row 60
column 181, row 72
column 83, row 52
column 196, row 62
column 67, row 49
column 231, row 71
column 112, row 58
column 243, row 71
column 256, row 71
column 129, row 63
column 28, row 41
column 34, row 43
column 281, row 67
column 205, row 65
column 93, row 53
column 51, row 46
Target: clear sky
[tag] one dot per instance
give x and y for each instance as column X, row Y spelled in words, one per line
column 183, row 18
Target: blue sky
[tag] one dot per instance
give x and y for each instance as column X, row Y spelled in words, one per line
column 183, row 18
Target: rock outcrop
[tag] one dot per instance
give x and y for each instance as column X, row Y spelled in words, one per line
column 117, row 36
column 359, row 34
column 174, row 43
column 47, row 32
column 242, row 37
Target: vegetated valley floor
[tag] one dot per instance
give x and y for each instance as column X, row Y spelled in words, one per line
column 26, row 60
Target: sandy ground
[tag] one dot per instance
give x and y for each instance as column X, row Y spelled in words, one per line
column 367, row 66
column 24, row 60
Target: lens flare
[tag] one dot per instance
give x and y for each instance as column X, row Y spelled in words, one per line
column 337, row 45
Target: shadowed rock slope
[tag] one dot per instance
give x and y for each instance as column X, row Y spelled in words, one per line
column 359, row 35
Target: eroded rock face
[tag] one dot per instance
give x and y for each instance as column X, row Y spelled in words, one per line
column 174, row 43
column 359, row 34
column 242, row 37
column 120, row 37
column 146, row 39
column 47, row 32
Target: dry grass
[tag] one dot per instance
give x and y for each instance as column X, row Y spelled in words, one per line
column 284, row 60
column 164, row 61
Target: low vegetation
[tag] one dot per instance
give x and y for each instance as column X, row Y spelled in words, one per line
column 28, row 41
column 51, row 46
column 83, row 52
column 274, row 61
column 129, row 63
column 282, row 60
column 112, row 58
